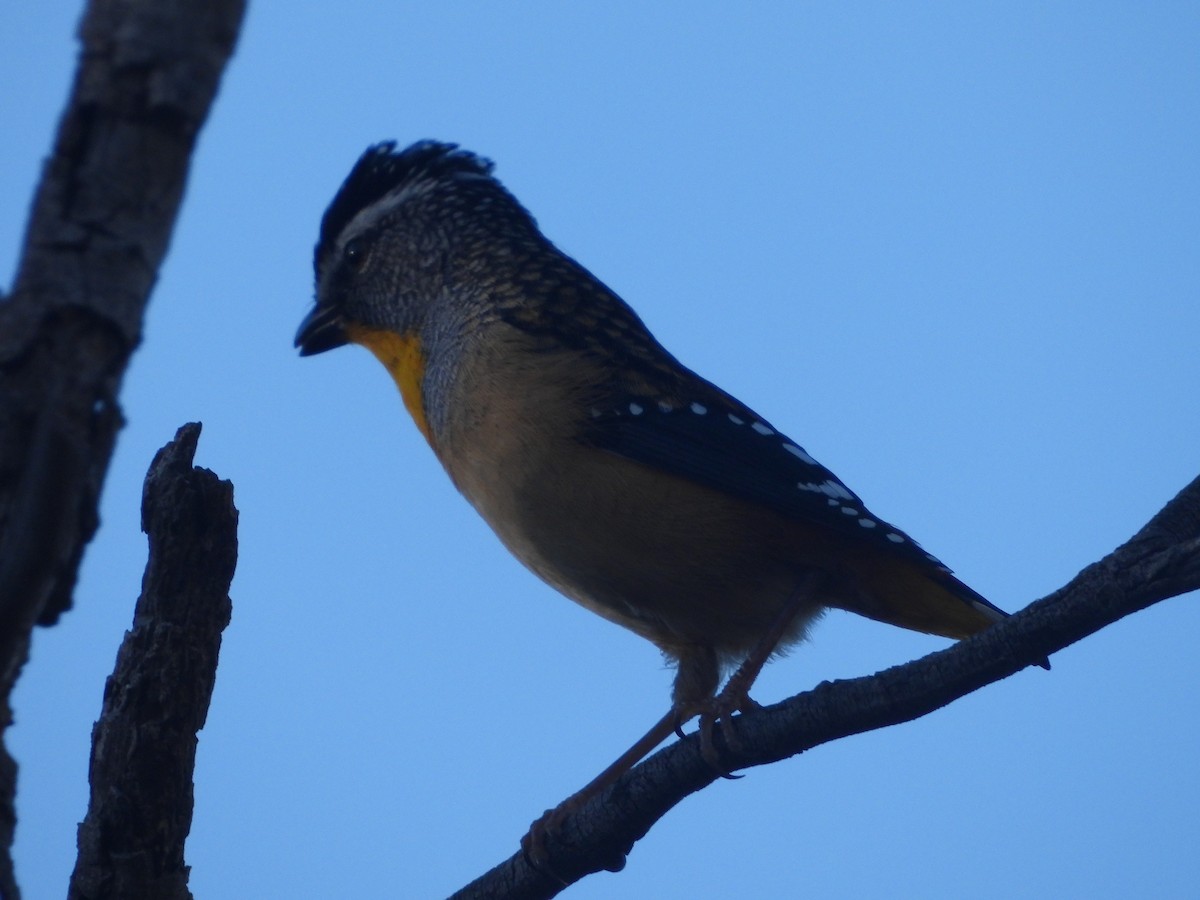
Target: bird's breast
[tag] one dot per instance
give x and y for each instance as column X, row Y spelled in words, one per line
column 674, row 561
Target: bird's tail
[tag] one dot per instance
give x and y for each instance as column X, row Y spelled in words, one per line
column 923, row 599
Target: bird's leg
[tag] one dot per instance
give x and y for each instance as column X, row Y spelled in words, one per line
column 696, row 678
column 735, row 696
column 533, row 844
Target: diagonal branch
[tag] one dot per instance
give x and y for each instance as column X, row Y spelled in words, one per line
column 1161, row 561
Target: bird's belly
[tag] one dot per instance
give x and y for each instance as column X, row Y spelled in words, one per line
column 677, row 563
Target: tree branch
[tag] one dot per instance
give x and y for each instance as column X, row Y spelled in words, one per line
column 144, row 744
column 1162, row 560
column 100, row 224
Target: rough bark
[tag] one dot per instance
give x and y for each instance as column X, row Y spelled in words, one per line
column 1162, row 560
column 99, row 228
column 156, row 700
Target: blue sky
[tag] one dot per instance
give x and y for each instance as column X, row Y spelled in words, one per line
column 952, row 249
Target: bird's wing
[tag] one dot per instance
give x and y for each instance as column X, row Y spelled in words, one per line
column 720, row 443
column 723, row 445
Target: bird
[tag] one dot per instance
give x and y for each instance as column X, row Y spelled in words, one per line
column 620, row 477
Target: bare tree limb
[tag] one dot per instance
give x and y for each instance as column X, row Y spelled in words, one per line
column 144, row 744
column 1162, row 560
column 99, row 228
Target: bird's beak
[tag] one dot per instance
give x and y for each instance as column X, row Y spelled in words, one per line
column 322, row 329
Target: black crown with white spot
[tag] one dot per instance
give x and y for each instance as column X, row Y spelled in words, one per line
column 383, row 169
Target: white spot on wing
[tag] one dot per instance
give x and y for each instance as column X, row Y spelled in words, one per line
column 799, row 453
column 735, row 420
column 867, row 523
column 850, row 510
column 834, row 489
column 895, row 538
column 664, row 406
column 699, row 408
column 761, row 428
column 635, row 409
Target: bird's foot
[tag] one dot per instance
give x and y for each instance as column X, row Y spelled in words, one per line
column 719, row 711
column 533, row 844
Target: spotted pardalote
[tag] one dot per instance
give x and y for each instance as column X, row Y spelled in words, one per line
column 625, row 480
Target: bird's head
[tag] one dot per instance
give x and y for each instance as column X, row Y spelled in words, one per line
column 408, row 230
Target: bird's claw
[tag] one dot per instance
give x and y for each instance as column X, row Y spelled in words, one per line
column 533, row 844
column 720, row 711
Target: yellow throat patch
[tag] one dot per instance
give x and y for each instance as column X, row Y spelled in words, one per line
column 401, row 355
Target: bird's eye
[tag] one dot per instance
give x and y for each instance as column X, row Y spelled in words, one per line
column 355, row 253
